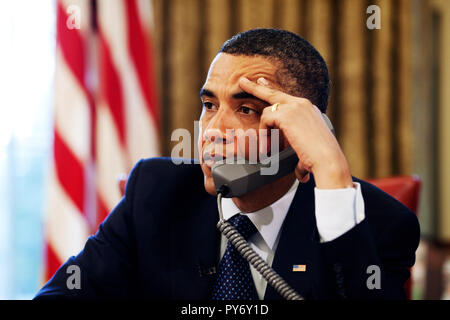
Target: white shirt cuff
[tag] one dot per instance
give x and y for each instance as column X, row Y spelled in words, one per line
column 338, row 210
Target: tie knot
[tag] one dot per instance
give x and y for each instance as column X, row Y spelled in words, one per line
column 244, row 225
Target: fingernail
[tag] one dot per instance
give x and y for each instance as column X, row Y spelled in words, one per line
column 244, row 79
column 262, row 81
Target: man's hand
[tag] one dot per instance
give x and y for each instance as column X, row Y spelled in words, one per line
column 306, row 132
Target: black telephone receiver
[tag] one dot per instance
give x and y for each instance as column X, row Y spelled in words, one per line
column 234, row 180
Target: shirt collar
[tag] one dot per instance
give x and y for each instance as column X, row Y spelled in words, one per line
column 267, row 220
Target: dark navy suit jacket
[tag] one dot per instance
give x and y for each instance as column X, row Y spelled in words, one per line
column 161, row 240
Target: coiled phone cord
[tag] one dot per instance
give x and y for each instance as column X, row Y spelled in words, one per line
column 278, row 283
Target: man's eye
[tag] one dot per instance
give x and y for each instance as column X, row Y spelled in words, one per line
column 208, row 105
column 247, row 110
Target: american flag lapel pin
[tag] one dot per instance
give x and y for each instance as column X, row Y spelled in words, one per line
column 299, row 268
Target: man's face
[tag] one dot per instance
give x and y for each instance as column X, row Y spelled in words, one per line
column 227, row 107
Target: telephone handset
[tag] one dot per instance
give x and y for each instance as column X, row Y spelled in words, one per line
column 233, row 180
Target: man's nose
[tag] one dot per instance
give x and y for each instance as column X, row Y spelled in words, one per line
column 219, row 129
column 214, row 135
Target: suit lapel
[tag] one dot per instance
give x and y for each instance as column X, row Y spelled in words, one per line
column 208, row 244
column 296, row 243
column 195, row 250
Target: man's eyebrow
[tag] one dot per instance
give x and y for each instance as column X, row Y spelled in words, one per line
column 206, row 92
column 246, row 95
column 237, row 95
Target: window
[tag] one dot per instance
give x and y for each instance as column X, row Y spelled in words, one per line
column 27, row 57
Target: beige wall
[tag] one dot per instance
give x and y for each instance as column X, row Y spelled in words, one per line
column 431, row 114
column 443, row 6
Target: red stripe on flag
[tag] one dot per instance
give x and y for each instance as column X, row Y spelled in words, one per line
column 141, row 53
column 70, row 172
column 102, row 210
column 111, row 87
column 72, row 46
column 52, row 261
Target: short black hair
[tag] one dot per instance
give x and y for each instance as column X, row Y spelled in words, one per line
column 303, row 72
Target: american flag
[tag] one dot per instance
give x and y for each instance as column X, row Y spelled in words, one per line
column 299, row 268
column 105, row 115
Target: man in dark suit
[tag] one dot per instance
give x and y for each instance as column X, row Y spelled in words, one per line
column 330, row 236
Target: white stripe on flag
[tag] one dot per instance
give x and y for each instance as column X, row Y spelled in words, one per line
column 140, row 126
column 110, row 157
column 67, row 229
column 72, row 111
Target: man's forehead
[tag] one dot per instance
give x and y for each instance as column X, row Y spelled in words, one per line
column 229, row 68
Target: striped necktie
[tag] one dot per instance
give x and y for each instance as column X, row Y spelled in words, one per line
column 234, row 279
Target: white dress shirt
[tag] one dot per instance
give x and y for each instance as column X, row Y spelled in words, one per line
column 337, row 211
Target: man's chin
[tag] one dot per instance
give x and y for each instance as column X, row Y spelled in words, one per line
column 208, row 180
column 209, row 186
